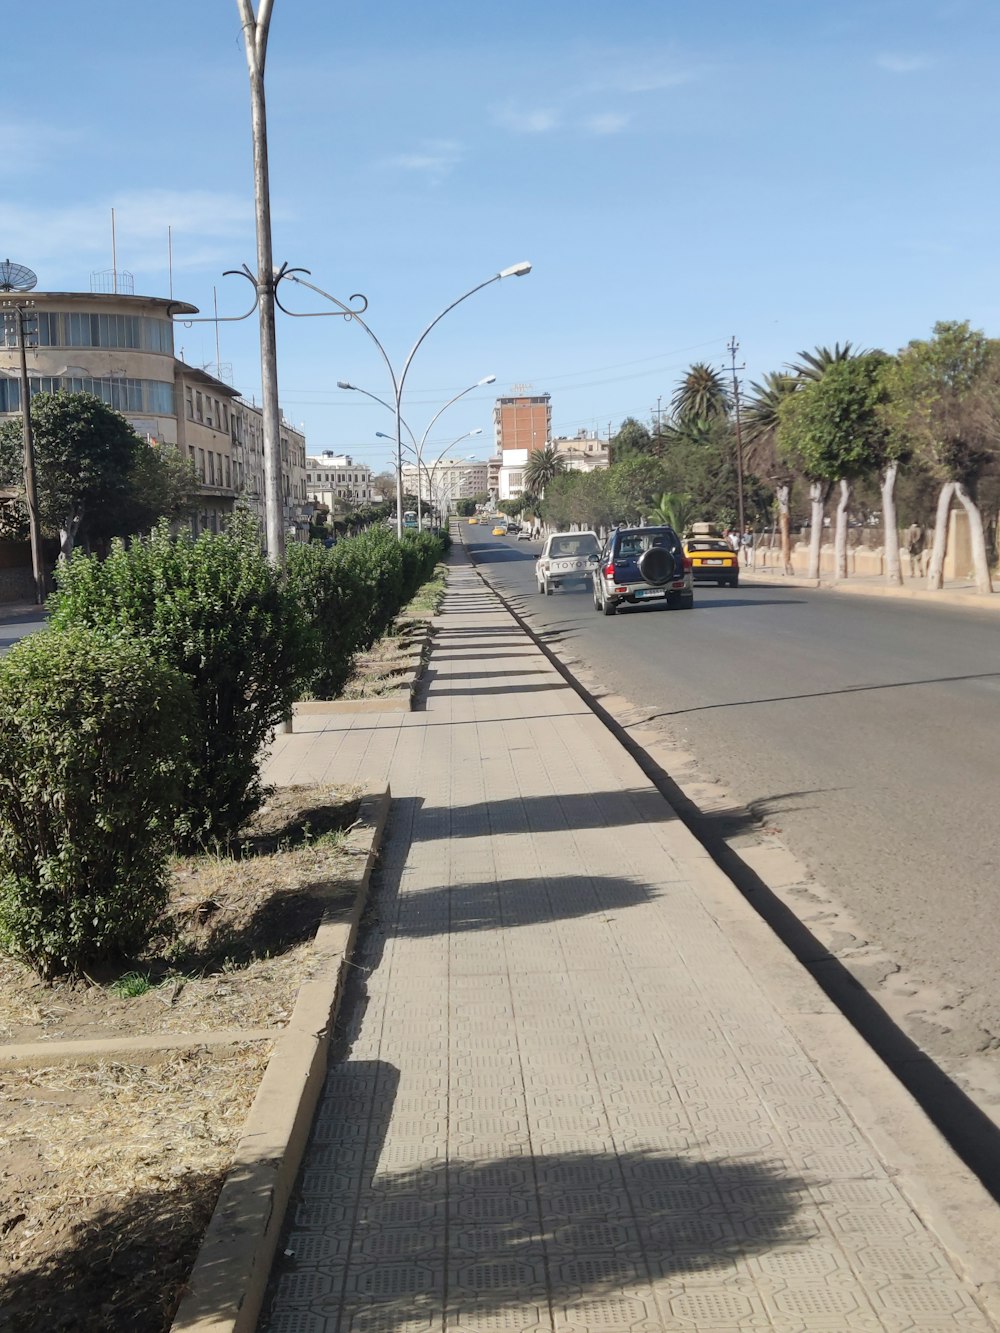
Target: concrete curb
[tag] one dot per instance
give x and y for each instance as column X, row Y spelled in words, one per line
column 964, row 597
column 229, row 1279
column 399, row 701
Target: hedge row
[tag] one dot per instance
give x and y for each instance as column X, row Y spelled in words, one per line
column 135, row 723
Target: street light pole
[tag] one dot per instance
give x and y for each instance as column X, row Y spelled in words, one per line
column 514, row 271
column 255, row 32
column 419, row 448
column 19, row 312
column 732, row 348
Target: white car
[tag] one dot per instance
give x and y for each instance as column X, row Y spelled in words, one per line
column 567, row 557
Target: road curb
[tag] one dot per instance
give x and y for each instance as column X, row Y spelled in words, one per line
column 228, row 1283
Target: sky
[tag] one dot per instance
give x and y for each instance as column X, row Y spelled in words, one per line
column 678, row 173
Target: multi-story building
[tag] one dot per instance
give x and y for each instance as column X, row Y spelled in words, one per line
column 493, row 466
column 447, row 480
column 120, row 348
column 522, row 423
column 331, row 477
column 583, row 452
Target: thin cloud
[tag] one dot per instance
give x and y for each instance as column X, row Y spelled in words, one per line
column 434, row 158
column 540, row 120
column 607, row 122
column 896, row 63
column 65, row 244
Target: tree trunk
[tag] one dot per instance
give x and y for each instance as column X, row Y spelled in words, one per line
column 840, row 532
column 890, row 529
column 817, row 501
column 67, row 535
column 977, row 539
column 783, row 493
column 935, row 569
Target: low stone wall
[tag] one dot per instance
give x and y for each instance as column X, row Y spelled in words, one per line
column 17, row 585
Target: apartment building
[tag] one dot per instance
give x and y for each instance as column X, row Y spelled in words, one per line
column 331, row 477
column 120, row 347
column 522, row 423
column 447, row 480
column 583, row 452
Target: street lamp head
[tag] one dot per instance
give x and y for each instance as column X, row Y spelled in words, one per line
column 487, row 379
column 477, row 431
column 344, row 384
column 516, row 270
column 381, row 435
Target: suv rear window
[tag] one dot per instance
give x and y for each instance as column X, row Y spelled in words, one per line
column 585, row 544
column 634, row 543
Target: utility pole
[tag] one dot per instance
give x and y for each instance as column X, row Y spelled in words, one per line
column 19, row 313
column 255, row 39
column 732, row 347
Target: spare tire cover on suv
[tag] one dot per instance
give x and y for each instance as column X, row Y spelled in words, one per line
column 656, row 565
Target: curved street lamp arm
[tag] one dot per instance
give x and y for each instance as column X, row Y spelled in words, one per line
column 243, row 272
column 346, row 311
column 423, row 438
column 376, row 399
column 413, row 350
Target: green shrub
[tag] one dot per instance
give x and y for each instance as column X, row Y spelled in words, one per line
column 92, row 756
column 215, row 609
column 336, row 597
column 350, row 594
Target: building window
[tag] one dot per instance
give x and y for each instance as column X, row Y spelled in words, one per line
column 198, row 408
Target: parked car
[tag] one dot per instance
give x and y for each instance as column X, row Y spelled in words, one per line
column 641, row 565
column 713, row 560
column 567, row 557
column 524, row 534
column 513, row 527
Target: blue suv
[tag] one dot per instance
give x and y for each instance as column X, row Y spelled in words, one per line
column 640, row 565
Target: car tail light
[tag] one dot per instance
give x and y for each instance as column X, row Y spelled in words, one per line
column 688, row 562
column 609, row 571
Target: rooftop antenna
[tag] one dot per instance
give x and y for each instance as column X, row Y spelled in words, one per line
column 114, row 253
column 16, row 278
column 170, row 261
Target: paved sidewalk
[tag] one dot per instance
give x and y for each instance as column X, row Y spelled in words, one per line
column 955, row 593
column 574, row 1090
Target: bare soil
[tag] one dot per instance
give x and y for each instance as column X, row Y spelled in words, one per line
column 110, row 1168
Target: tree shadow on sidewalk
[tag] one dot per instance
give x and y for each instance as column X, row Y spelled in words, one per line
column 560, row 1233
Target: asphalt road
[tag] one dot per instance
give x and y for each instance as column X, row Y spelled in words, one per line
column 16, row 625
column 865, row 733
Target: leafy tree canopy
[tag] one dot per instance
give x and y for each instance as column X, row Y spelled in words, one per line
column 834, row 426
column 632, row 440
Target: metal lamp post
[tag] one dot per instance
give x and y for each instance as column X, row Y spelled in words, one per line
column 419, row 448
column 398, row 381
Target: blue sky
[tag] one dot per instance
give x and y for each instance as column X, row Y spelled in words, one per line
column 676, row 172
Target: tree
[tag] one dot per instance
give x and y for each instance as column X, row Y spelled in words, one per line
column 85, row 454
column 945, row 402
column 635, row 486
column 702, row 393
column 162, row 484
column 632, row 441
column 384, row 484
column 673, row 509
column 799, row 422
column 760, row 429
column 542, row 466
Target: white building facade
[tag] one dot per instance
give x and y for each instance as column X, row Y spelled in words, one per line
column 333, row 477
column 447, row 480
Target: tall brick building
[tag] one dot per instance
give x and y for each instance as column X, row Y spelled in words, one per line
column 522, row 423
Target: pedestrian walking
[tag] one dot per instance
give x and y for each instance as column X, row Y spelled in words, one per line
column 733, row 538
column 747, row 544
column 915, row 548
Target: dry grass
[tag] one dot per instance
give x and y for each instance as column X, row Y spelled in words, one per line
column 111, row 1169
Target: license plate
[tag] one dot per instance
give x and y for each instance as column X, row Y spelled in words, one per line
column 715, row 562
column 650, row 592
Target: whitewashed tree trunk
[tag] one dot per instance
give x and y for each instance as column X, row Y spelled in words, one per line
column 67, row 535
column 935, row 569
column 783, row 492
column 817, row 502
column 840, row 532
column 977, row 539
column 890, row 528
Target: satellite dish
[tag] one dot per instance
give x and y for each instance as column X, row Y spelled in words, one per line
column 16, row 278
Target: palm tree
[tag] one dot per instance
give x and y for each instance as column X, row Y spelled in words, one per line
column 672, row 509
column 760, row 428
column 701, row 393
column 812, row 365
column 542, row 466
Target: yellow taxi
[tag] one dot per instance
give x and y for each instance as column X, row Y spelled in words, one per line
column 500, row 530
column 473, row 520
column 713, row 560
